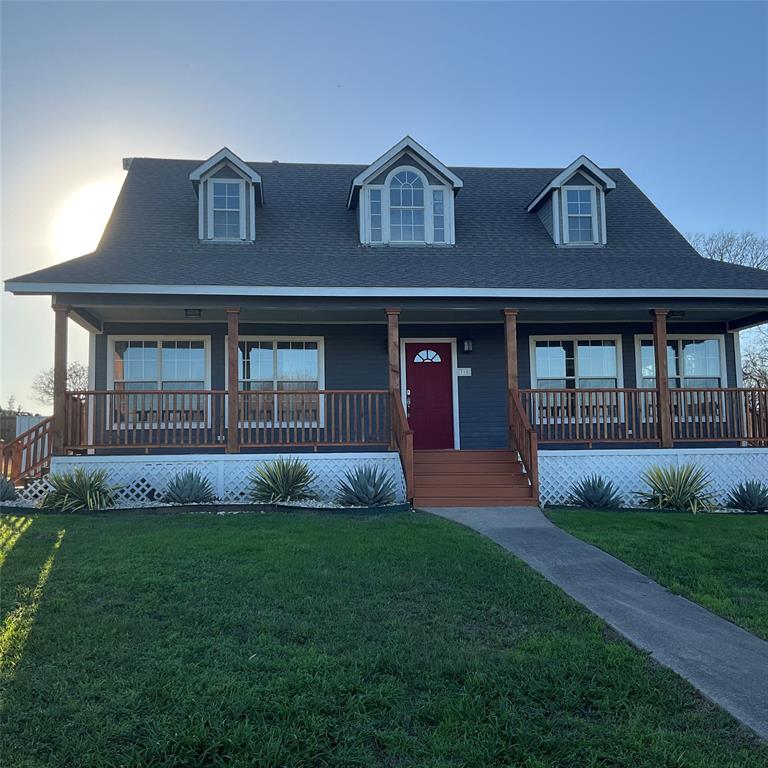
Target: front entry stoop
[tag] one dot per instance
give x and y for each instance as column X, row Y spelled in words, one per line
column 448, row 478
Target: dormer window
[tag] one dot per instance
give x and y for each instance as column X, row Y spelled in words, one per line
column 406, row 208
column 228, row 193
column 579, row 214
column 226, row 209
column 406, row 197
column 572, row 205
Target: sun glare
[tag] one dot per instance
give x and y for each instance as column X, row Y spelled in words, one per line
column 81, row 217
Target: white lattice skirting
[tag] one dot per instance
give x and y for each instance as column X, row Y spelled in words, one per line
column 143, row 478
column 559, row 470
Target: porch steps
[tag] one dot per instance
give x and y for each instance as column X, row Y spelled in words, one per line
column 470, row 479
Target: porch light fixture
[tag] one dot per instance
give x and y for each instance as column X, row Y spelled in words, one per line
column 467, row 345
column 193, row 312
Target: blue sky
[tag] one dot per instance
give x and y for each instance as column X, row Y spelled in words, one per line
column 674, row 93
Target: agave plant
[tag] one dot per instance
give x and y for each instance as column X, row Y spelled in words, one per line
column 78, row 490
column 7, row 490
column 681, row 489
column 281, row 480
column 189, row 487
column 366, row 486
column 751, row 496
column 595, row 493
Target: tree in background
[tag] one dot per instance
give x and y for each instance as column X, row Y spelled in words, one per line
column 748, row 250
column 42, row 384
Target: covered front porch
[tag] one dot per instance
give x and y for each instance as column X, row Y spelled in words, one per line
column 176, row 374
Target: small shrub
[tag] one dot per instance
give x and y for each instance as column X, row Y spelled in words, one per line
column 680, row 489
column 189, row 487
column 78, row 490
column 368, row 486
column 281, row 480
column 7, row 490
column 751, row 496
column 596, row 493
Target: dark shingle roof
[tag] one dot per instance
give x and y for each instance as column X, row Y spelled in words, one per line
column 305, row 236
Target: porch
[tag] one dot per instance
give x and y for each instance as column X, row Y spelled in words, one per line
column 339, row 376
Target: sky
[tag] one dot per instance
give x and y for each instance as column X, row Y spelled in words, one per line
column 676, row 94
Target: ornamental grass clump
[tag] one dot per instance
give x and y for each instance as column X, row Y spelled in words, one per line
column 751, row 496
column 366, row 486
column 594, row 492
column 78, row 490
column 7, row 490
column 678, row 489
column 281, row 480
column 189, row 487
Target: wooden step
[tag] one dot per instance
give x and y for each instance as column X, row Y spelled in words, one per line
column 468, row 470
column 461, row 457
column 459, row 492
column 480, row 480
column 430, row 501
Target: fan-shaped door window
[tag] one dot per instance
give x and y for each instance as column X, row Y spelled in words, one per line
column 427, row 356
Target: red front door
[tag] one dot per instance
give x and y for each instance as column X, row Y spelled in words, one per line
column 429, row 392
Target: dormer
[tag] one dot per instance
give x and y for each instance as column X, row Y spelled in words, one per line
column 405, row 198
column 572, row 205
column 228, row 192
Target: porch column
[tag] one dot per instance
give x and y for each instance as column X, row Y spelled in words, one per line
column 233, row 332
column 662, row 375
column 510, row 337
column 513, row 384
column 393, row 347
column 61, row 314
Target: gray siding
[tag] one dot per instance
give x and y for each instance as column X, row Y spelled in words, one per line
column 406, row 159
column 545, row 214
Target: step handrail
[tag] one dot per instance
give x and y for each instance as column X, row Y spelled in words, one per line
column 402, row 439
column 523, row 439
column 28, row 454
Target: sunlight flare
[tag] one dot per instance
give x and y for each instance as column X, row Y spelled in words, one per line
column 81, row 217
column 11, row 530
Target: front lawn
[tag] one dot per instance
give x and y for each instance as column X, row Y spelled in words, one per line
column 310, row 640
column 720, row 561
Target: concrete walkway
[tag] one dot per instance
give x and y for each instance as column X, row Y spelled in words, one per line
column 726, row 663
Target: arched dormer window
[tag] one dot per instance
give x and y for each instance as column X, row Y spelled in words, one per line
column 407, row 209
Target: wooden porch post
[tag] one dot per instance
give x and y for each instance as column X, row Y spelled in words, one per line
column 513, row 384
column 61, row 314
column 393, row 348
column 510, row 337
column 233, row 332
column 662, row 376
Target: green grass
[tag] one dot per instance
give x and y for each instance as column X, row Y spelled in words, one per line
column 310, row 640
column 719, row 561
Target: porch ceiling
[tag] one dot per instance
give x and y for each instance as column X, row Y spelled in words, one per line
column 95, row 310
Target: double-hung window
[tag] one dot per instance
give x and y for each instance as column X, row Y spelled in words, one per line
column 691, row 363
column 289, row 371
column 575, row 363
column 170, row 365
column 579, row 215
column 226, row 218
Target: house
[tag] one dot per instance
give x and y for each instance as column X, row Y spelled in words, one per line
column 484, row 330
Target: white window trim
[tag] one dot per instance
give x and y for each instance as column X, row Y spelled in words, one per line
column 320, row 340
column 564, row 214
column 429, row 231
column 615, row 337
column 454, row 377
column 719, row 337
column 241, row 183
column 111, row 339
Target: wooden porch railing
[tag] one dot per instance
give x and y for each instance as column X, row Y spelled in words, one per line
column 523, row 438
column 720, row 414
column 402, row 437
column 29, row 454
column 149, row 419
column 336, row 417
column 633, row 415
